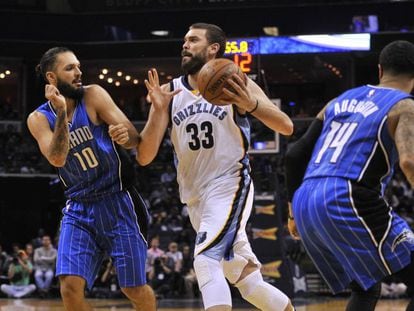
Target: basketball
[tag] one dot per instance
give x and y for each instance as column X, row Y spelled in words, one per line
column 213, row 77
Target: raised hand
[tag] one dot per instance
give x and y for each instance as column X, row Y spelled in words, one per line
column 238, row 94
column 53, row 94
column 160, row 97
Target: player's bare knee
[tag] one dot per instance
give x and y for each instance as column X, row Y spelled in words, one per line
column 72, row 287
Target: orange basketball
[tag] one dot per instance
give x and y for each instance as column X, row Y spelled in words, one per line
column 213, row 77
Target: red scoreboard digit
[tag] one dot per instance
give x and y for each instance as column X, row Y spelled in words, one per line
column 242, row 52
column 244, row 61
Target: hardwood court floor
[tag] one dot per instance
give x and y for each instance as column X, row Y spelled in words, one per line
column 325, row 304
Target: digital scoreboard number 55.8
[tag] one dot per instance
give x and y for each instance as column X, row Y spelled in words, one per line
column 242, row 52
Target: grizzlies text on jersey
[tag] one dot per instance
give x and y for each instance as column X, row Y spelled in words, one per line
column 213, row 139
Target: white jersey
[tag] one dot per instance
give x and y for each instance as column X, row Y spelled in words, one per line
column 210, row 142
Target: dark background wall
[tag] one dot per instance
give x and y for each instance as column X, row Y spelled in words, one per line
column 27, row 204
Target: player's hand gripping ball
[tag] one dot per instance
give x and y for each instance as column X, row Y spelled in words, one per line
column 213, row 77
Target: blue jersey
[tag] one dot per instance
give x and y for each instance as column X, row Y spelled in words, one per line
column 93, row 165
column 346, row 226
column 100, row 216
column 355, row 143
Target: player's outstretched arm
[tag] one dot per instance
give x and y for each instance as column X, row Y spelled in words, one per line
column 121, row 129
column 250, row 98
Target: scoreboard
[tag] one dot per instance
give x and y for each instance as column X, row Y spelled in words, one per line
column 244, row 52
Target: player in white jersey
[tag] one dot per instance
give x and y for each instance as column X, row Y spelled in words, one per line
column 222, row 137
column 213, row 171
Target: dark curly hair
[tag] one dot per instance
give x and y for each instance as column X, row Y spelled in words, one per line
column 397, row 58
column 48, row 60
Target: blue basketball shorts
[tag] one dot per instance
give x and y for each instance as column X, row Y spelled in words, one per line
column 350, row 232
column 90, row 231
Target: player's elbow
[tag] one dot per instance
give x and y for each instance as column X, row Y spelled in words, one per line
column 143, row 160
column 57, row 161
column 287, row 128
column 407, row 164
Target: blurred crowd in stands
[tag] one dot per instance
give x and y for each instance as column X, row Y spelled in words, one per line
column 8, row 109
column 29, row 271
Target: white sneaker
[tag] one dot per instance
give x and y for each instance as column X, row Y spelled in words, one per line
column 398, row 289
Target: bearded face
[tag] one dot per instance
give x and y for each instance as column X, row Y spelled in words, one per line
column 191, row 64
column 70, row 91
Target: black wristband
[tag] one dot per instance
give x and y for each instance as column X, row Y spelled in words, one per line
column 254, row 109
column 291, row 217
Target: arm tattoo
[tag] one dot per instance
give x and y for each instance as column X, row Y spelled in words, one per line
column 404, row 136
column 60, row 142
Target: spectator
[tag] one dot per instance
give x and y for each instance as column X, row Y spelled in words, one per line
column 19, row 277
column 106, row 285
column 109, row 278
column 44, row 261
column 177, row 280
column 28, row 248
column 37, row 241
column 190, row 279
column 161, row 276
column 176, row 255
column 153, row 252
column 15, row 249
column 4, row 260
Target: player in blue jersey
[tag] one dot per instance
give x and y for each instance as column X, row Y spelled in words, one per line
column 213, row 171
column 82, row 133
column 336, row 177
